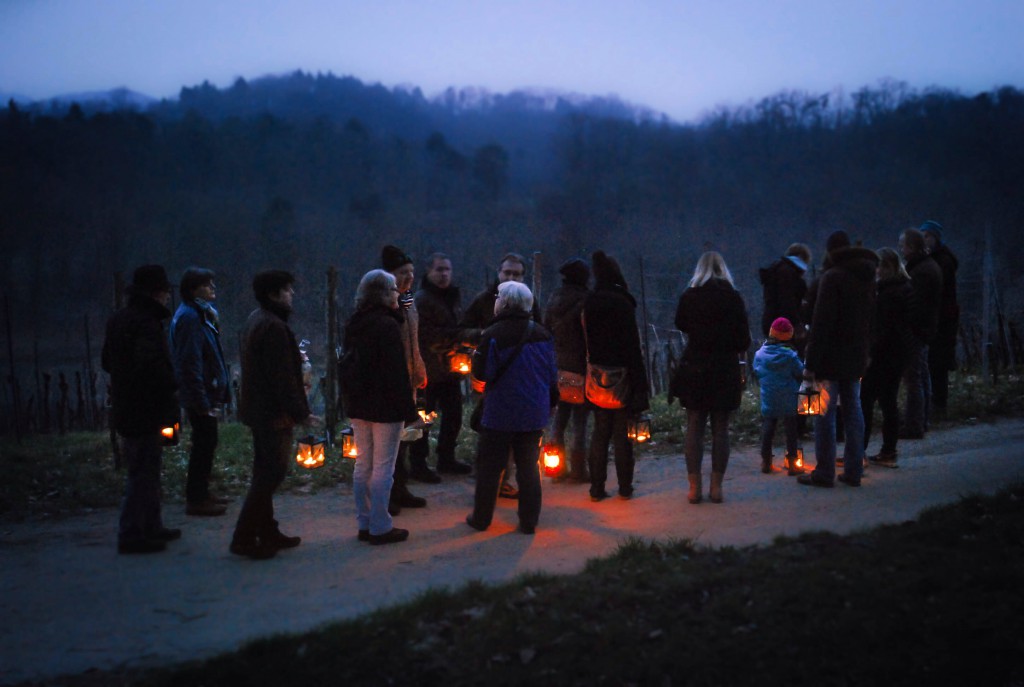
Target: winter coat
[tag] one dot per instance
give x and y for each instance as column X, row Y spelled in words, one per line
column 778, row 370
column 926, row 297
column 840, row 335
column 414, row 363
column 272, row 394
column 136, row 356
column 439, row 311
column 612, row 339
column 784, row 290
column 375, row 335
column 480, row 312
column 942, row 349
column 891, row 338
column 562, row 318
column 714, row 319
column 522, row 398
column 198, row 359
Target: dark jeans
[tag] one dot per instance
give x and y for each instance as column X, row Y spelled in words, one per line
column 918, row 382
column 883, row 385
column 492, row 458
column 577, row 412
column 200, row 459
column 272, row 452
column 696, row 420
column 610, row 426
column 401, row 483
column 446, row 398
column 939, row 372
column 140, row 507
column 791, row 424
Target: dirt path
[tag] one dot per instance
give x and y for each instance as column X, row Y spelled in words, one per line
column 70, row 603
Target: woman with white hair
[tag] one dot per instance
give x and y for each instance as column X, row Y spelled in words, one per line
column 713, row 316
column 516, row 361
column 378, row 401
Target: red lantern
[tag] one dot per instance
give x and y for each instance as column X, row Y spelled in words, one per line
column 460, row 361
column 553, row 458
column 169, row 434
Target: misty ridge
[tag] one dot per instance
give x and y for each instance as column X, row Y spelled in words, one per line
column 301, row 172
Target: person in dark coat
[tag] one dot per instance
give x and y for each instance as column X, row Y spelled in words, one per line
column 203, row 382
column 142, row 394
column 401, row 267
column 516, row 362
column 613, row 340
column 712, row 314
column 784, row 289
column 272, row 401
column 890, row 346
column 925, row 305
column 562, row 318
column 837, row 355
column 381, row 403
column 438, row 302
column 942, row 349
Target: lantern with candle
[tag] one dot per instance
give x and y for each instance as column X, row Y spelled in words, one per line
column 169, row 434
column 348, row 443
column 638, row 429
column 460, row 361
column 553, row 458
column 809, row 400
column 310, row 453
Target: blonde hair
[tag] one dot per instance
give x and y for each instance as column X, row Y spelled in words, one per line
column 890, row 265
column 711, row 265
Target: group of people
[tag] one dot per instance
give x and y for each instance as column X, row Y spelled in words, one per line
column 867, row 322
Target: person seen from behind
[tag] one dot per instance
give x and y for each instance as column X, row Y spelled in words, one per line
column 778, row 369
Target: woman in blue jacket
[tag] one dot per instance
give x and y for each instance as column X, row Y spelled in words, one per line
column 516, row 361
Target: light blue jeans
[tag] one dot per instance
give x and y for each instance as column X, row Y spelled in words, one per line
column 847, row 392
column 374, row 473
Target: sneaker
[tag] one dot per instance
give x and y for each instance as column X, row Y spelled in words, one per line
column 424, row 474
column 453, row 467
column 255, row 549
column 848, row 481
column 883, row 460
column 208, row 507
column 393, row 537
column 141, row 546
column 507, row 491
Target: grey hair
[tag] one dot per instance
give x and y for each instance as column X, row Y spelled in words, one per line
column 710, row 265
column 515, row 295
column 374, row 289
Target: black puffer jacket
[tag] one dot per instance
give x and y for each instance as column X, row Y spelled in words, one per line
column 562, row 318
column 613, row 338
column 142, row 383
column 714, row 318
column 272, row 395
column 382, row 395
column 840, row 335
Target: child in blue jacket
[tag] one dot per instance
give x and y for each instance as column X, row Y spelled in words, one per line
column 779, row 370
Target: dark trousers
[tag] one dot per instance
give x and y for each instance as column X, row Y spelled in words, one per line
column 400, row 485
column 492, row 458
column 446, row 398
column 939, row 370
column 140, row 507
column 695, row 423
column 577, row 412
column 882, row 385
column 791, row 425
column 200, row 459
column 610, row 427
column 918, row 383
column 272, row 452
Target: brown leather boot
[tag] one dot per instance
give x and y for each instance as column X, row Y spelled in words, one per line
column 695, row 496
column 716, row 487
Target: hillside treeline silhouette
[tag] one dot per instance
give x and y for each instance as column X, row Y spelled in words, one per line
column 300, row 172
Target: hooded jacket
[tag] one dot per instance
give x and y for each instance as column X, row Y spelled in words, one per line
column 784, row 290
column 562, row 318
column 840, row 335
column 778, row 370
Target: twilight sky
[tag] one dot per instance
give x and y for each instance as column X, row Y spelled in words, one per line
column 681, row 57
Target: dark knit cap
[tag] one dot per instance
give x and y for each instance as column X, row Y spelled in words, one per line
column 932, row 227
column 393, row 257
column 150, row 279
column 575, row 271
column 836, row 240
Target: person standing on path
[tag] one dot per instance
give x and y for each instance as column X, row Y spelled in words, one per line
column 925, row 304
column 142, row 394
column 272, row 402
column 942, row 350
column 203, row 382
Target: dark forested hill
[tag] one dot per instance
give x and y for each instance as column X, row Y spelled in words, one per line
column 301, row 172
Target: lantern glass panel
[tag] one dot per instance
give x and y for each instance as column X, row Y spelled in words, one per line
column 310, row 453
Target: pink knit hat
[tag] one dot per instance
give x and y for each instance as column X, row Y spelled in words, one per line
column 781, row 329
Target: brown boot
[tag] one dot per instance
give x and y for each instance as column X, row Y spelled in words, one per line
column 695, row 496
column 716, row 487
